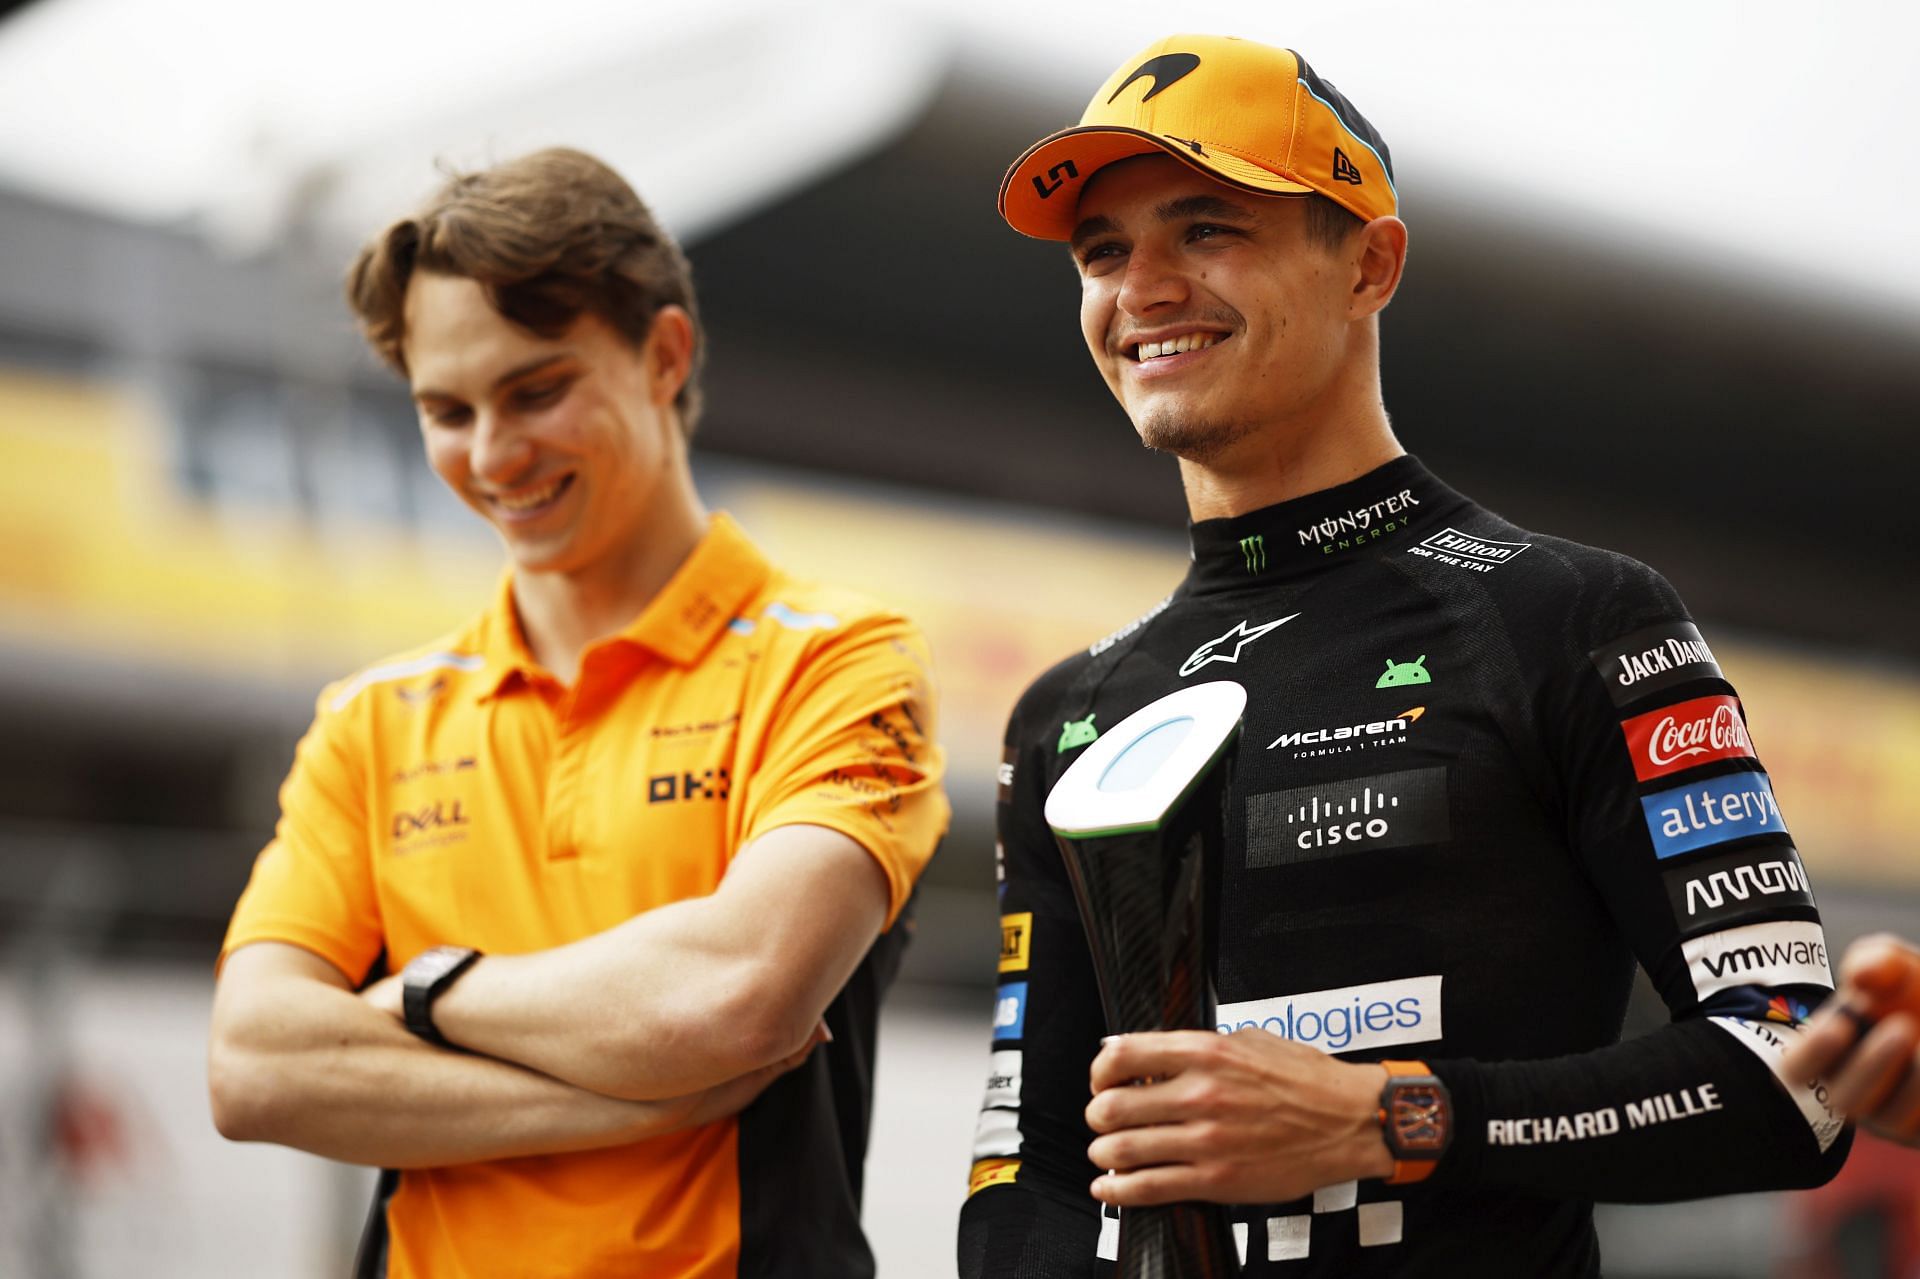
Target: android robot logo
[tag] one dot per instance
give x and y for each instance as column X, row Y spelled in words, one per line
column 1401, row 674
column 1076, row 732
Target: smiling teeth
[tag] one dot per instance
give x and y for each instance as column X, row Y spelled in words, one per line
column 1176, row 346
column 527, row 501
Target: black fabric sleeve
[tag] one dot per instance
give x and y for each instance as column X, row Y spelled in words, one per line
column 1671, row 816
column 1029, row 1213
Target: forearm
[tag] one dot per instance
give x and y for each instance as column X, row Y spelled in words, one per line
column 644, row 1010
column 1684, row 1112
column 326, row 1073
column 690, row 994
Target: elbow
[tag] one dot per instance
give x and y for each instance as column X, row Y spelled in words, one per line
column 241, row 1101
column 729, row 1031
column 235, row 1109
column 766, row 1022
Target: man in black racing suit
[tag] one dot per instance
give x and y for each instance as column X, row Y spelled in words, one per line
column 1484, row 772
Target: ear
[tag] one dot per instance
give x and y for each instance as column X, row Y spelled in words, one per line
column 668, row 353
column 1379, row 255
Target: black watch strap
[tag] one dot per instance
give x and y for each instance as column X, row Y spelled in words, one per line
column 426, row 976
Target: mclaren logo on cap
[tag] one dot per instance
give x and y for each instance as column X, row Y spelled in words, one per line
column 1164, row 70
column 1343, row 170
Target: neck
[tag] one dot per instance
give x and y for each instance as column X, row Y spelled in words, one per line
column 1341, row 435
column 563, row 612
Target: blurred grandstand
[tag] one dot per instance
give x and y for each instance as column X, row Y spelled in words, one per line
column 212, row 501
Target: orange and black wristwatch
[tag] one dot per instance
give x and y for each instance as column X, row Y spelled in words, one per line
column 1416, row 1120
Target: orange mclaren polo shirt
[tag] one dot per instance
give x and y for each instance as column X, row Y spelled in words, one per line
column 459, row 794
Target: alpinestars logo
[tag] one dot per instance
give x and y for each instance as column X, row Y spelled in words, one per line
column 1240, row 636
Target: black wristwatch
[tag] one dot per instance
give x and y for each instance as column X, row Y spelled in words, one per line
column 425, row 979
column 1416, row 1120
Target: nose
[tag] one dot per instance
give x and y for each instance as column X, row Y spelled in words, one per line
column 1152, row 280
column 497, row 452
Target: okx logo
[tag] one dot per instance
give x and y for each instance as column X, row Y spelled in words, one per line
column 1712, row 812
column 1392, row 810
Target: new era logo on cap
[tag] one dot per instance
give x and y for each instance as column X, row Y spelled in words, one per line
column 1343, row 170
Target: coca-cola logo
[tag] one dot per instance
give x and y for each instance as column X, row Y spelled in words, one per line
column 1701, row 731
column 1721, row 732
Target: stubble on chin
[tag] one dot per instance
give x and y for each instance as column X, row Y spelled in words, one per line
column 1191, row 439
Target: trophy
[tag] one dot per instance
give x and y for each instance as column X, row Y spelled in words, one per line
column 1140, row 820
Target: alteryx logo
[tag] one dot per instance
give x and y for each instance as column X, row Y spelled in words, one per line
column 1712, row 812
column 1349, row 1019
column 1010, row 1011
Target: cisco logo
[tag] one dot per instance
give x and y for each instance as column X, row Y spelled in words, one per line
column 1391, row 810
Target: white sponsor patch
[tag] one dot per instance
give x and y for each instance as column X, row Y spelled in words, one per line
column 1380, row 1224
column 1338, row 1197
column 1003, row 1079
column 1240, row 1241
column 997, row 1135
column 1350, row 1019
column 1783, row 954
column 1768, row 1042
column 1289, row 1238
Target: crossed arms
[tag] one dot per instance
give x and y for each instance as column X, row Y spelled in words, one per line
column 677, row 1017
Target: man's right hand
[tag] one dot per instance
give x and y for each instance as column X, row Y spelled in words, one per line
column 1872, row 1077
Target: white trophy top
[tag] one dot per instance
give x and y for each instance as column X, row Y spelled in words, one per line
column 1137, row 772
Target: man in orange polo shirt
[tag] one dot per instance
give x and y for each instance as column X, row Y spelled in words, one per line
column 635, row 842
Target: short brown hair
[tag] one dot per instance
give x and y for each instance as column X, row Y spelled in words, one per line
column 548, row 236
column 1329, row 224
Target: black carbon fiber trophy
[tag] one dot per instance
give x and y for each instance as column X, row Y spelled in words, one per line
column 1140, row 819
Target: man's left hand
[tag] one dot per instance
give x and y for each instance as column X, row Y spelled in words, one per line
column 1242, row 1118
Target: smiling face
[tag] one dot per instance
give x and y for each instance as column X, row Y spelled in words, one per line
column 1210, row 312
column 562, row 444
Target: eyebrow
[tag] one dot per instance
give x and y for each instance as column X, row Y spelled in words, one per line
column 514, row 374
column 1186, row 206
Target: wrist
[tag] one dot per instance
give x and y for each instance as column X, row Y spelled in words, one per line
column 425, row 979
column 1371, row 1157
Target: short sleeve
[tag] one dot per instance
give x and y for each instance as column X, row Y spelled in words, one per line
column 313, row 884
column 851, row 748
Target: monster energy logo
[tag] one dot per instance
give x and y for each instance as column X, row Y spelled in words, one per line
column 1254, row 551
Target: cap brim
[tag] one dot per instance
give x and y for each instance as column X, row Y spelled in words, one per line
column 1040, row 195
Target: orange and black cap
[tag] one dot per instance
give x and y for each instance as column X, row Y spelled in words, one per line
column 1247, row 114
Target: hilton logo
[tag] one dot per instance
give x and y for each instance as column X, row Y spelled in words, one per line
column 1462, row 550
column 1392, row 810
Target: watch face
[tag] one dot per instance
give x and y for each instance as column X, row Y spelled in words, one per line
column 1418, row 1120
column 430, row 965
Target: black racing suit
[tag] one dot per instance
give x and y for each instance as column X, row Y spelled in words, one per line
column 1483, row 772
